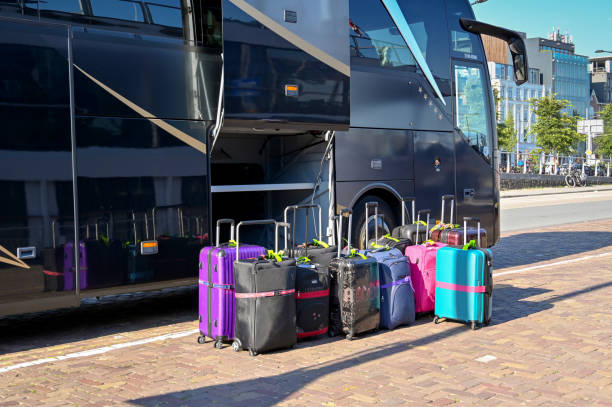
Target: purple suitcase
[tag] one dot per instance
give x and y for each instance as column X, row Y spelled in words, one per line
column 69, row 266
column 217, row 308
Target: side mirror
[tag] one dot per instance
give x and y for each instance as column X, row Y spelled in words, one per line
column 515, row 44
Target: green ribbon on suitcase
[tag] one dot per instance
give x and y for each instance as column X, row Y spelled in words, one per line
column 470, row 244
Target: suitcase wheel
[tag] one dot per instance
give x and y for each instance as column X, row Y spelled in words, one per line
column 252, row 352
column 349, row 337
column 201, row 339
column 218, row 345
column 236, row 346
column 473, row 325
column 436, row 320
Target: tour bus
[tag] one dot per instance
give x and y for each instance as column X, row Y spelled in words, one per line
column 129, row 127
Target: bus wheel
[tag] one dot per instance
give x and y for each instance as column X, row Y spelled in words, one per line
column 385, row 224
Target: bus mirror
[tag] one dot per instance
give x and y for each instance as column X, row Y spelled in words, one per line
column 515, row 43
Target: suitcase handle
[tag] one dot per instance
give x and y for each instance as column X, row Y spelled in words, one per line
column 467, row 219
column 452, row 207
column 367, row 221
column 295, row 208
column 412, row 200
column 218, row 230
column 277, row 225
column 250, row 223
column 427, row 212
column 343, row 213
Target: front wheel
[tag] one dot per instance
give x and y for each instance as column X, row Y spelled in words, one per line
column 570, row 181
column 384, row 224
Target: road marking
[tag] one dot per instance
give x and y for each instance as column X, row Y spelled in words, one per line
column 558, row 263
column 485, row 359
column 99, row 351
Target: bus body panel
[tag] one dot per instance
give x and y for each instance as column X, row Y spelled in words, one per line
column 289, row 74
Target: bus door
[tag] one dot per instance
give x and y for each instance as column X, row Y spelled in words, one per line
column 36, row 208
column 473, row 143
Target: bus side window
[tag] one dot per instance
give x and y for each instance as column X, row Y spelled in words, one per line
column 472, row 107
column 166, row 12
column 464, row 44
column 65, row 6
column 119, row 9
column 374, row 38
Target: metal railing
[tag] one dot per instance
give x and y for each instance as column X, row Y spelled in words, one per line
column 551, row 164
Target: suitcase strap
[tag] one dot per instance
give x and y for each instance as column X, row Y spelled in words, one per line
column 312, row 333
column 463, row 288
column 405, row 280
column 211, row 285
column 312, row 294
column 265, row 294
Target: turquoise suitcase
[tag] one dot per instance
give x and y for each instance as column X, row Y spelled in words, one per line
column 464, row 283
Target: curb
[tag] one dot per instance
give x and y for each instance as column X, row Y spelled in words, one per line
column 576, row 190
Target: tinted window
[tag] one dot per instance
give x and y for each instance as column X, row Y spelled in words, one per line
column 67, row 6
column 374, row 38
column 120, row 9
column 428, row 25
column 462, row 42
column 471, row 106
column 166, row 15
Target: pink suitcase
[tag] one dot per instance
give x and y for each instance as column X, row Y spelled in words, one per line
column 422, row 260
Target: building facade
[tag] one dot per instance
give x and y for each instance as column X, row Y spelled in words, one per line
column 601, row 78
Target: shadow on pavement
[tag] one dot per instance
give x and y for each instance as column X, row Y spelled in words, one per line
column 268, row 391
column 528, row 248
column 109, row 316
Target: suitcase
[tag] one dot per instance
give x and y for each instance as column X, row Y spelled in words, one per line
column 70, row 270
column 422, row 261
column 216, row 300
column 397, row 304
column 464, row 283
column 265, row 301
column 408, row 231
column 311, row 300
column 456, row 236
column 53, row 268
column 354, row 291
column 319, row 252
column 312, row 278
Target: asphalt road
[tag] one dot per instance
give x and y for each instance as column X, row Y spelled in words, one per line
column 530, row 212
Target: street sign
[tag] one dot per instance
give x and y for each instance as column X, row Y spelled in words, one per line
column 594, row 127
column 588, row 152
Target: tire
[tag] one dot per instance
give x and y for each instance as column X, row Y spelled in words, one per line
column 385, row 225
column 201, row 339
column 436, row 320
column 236, row 347
column 570, row 181
column 218, row 345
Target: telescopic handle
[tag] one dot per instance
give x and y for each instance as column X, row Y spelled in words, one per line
column 412, row 200
column 418, row 223
column 218, row 230
column 278, row 225
column 343, row 213
column 250, row 223
column 369, row 205
column 452, row 207
column 295, row 208
column 467, row 219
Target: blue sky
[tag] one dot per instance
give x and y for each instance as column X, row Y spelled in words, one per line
column 588, row 21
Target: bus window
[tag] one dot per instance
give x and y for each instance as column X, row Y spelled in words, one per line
column 463, row 43
column 472, row 107
column 66, row 6
column 375, row 40
column 166, row 13
column 428, row 26
column 119, row 9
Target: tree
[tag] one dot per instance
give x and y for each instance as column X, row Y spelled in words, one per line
column 555, row 130
column 604, row 142
column 506, row 134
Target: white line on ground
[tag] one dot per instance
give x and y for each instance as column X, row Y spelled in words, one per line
column 486, row 359
column 99, row 351
column 558, row 263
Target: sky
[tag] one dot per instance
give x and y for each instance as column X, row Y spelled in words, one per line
column 588, row 21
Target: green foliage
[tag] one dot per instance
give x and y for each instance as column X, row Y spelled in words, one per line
column 497, row 99
column 506, row 134
column 604, row 142
column 555, row 130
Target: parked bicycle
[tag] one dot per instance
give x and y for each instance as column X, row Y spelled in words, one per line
column 576, row 178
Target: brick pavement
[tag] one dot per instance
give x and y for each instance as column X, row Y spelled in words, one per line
column 549, row 345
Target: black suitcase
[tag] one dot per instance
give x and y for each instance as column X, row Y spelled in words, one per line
column 265, row 301
column 412, row 232
column 311, row 300
column 354, row 292
column 386, row 241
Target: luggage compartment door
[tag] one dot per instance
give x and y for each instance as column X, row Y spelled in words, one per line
column 286, row 64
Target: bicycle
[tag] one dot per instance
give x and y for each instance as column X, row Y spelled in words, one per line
column 575, row 178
